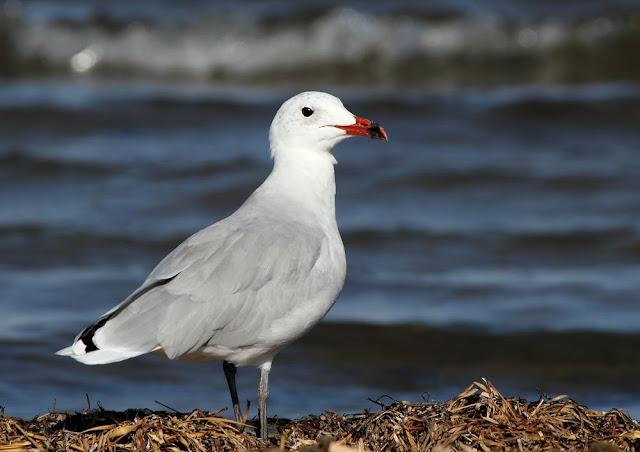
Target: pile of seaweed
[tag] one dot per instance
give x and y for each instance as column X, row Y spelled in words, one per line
column 479, row 418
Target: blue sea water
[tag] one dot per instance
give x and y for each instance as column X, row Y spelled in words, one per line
column 506, row 201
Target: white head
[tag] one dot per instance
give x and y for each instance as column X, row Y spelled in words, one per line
column 315, row 122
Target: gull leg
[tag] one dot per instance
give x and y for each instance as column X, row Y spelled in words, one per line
column 230, row 373
column 263, row 394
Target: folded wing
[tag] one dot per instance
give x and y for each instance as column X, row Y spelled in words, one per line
column 222, row 286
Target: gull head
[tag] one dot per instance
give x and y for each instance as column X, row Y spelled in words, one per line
column 315, row 122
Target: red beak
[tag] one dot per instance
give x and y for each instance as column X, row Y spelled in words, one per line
column 365, row 128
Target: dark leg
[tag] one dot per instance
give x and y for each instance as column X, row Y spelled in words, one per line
column 230, row 373
column 263, row 394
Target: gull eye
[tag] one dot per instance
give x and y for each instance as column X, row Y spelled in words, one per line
column 306, row 111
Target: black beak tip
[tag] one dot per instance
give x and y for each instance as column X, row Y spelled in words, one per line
column 376, row 132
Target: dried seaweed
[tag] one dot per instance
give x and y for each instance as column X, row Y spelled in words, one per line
column 479, row 418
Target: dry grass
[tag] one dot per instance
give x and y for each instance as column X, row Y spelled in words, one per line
column 479, row 418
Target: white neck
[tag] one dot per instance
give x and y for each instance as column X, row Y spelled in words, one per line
column 307, row 179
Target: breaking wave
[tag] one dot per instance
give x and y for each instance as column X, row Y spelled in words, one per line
column 341, row 44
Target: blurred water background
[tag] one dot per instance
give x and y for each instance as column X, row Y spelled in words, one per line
column 497, row 234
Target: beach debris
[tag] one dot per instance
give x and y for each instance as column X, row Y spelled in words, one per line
column 480, row 418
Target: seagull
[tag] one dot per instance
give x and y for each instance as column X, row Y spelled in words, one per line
column 245, row 287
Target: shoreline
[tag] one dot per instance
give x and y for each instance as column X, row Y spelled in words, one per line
column 478, row 418
column 337, row 366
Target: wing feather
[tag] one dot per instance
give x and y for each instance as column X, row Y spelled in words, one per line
column 219, row 286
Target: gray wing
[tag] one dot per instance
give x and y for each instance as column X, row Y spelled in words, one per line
column 223, row 284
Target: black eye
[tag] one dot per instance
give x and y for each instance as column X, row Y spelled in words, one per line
column 306, row 111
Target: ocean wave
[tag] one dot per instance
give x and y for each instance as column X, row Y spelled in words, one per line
column 341, row 44
column 17, row 163
column 77, row 241
column 563, row 242
column 457, row 179
column 622, row 111
column 58, row 101
column 209, row 169
column 365, row 237
column 443, row 179
column 574, row 236
column 52, row 247
column 510, row 240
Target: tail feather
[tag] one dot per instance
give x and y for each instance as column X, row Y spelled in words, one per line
column 128, row 330
column 67, row 351
column 98, row 356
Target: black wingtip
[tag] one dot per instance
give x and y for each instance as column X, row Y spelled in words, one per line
column 86, row 337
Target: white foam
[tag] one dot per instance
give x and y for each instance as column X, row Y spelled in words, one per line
column 239, row 48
